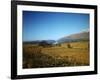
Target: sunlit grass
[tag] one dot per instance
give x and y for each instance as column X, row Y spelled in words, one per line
column 56, row 56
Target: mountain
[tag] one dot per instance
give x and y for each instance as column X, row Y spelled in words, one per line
column 50, row 41
column 38, row 41
column 75, row 37
column 31, row 42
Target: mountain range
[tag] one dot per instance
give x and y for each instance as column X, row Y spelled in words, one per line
column 75, row 37
column 82, row 36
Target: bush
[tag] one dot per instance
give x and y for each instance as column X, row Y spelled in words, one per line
column 69, row 46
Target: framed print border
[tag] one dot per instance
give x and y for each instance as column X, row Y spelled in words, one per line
column 14, row 38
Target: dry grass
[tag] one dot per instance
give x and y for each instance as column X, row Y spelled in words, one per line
column 36, row 56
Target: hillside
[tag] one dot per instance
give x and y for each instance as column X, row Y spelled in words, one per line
column 75, row 37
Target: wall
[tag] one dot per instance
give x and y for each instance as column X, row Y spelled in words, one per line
column 5, row 29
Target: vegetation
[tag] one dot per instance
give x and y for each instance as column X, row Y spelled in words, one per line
column 45, row 55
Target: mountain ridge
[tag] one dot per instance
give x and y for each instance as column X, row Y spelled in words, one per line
column 75, row 37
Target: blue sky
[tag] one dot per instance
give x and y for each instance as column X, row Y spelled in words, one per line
column 52, row 25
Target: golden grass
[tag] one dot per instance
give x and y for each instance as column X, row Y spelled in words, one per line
column 56, row 56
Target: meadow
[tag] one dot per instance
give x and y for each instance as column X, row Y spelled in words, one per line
column 35, row 56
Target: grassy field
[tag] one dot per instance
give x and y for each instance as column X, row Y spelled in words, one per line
column 56, row 56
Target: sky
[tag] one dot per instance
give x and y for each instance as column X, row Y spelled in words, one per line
column 52, row 25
